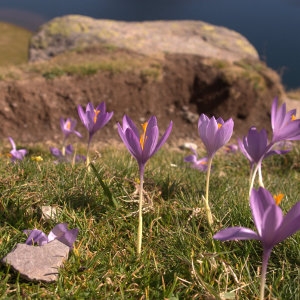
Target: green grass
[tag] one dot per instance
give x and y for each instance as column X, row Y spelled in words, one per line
column 14, row 42
column 179, row 259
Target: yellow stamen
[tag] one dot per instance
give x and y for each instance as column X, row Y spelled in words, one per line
column 143, row 135
column 278, row 198
column 68, row 125
column 97, row 112
column 293, row 118
column 219, row 125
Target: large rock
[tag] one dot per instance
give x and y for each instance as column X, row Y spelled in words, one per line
column 174, row 70
column 150, row 38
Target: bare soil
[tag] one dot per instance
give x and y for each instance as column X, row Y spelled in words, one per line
column 184, row 87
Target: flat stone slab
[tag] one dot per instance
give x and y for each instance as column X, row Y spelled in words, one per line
column 38, row 263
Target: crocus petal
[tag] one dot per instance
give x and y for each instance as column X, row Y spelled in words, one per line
column 128, row 123
column 244, row 151
column 236, row 233
column 18, row 154
column 57, row 231
column 272, row 220
column 56, row 152
column 69, row 237
column 13, row 145
column 255, row 144
column 82, row 116
column 63, row 234
column 101, row 107
column 36, row 236
column 150, row 143
column 164, row 137
column 191, row 158
column 260, row 200
column 102, row 120
column 290, row 224
column 69, row 150
column 282, row 125
column 223, row 134
column 132, row 143
column 289, row 132
column 277, row 115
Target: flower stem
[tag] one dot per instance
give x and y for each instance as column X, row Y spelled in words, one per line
column 207, row 207
column 266, row 256
column 260, row 179
column 63, row 150
column 87, row 155
column 140, row 226
column 253, row 178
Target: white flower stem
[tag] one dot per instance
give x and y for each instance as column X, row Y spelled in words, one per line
column 266, row 255
column 253, row 178
column 63, row 150
column 87, row 156
column 140, row 226
column 260, row 179
column 207, row 207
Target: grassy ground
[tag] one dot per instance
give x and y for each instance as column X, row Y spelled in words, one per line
column 14, row 43
column 179, row 260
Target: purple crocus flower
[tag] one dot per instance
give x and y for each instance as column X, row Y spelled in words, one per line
column 199, row 164
column 16, row 154
column 271, row 225
column 94, row 118
column 285, row 126
column 68, row 127
column 142, row 147
column 233, row 148
column 214, row 133
column 68, row 157
column 59, row 232
column 255, row 147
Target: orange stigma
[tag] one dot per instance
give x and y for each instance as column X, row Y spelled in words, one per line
column 143, row 135
column 219, row 125
column 293, row 118
column 278, row 198
column 96, row 112
column 68, row 125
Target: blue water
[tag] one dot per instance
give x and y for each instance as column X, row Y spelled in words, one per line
column 272, row 26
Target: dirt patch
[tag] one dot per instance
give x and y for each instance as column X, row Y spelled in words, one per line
column 177, row 88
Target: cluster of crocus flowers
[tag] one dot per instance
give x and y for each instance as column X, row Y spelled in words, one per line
column 93, row 119
column 142, row 147
column 271, row 225
column 15, row 154
column 60, row 232
column 69, row 155
column 255, row 146
column 214, row 133
column 66, row 154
